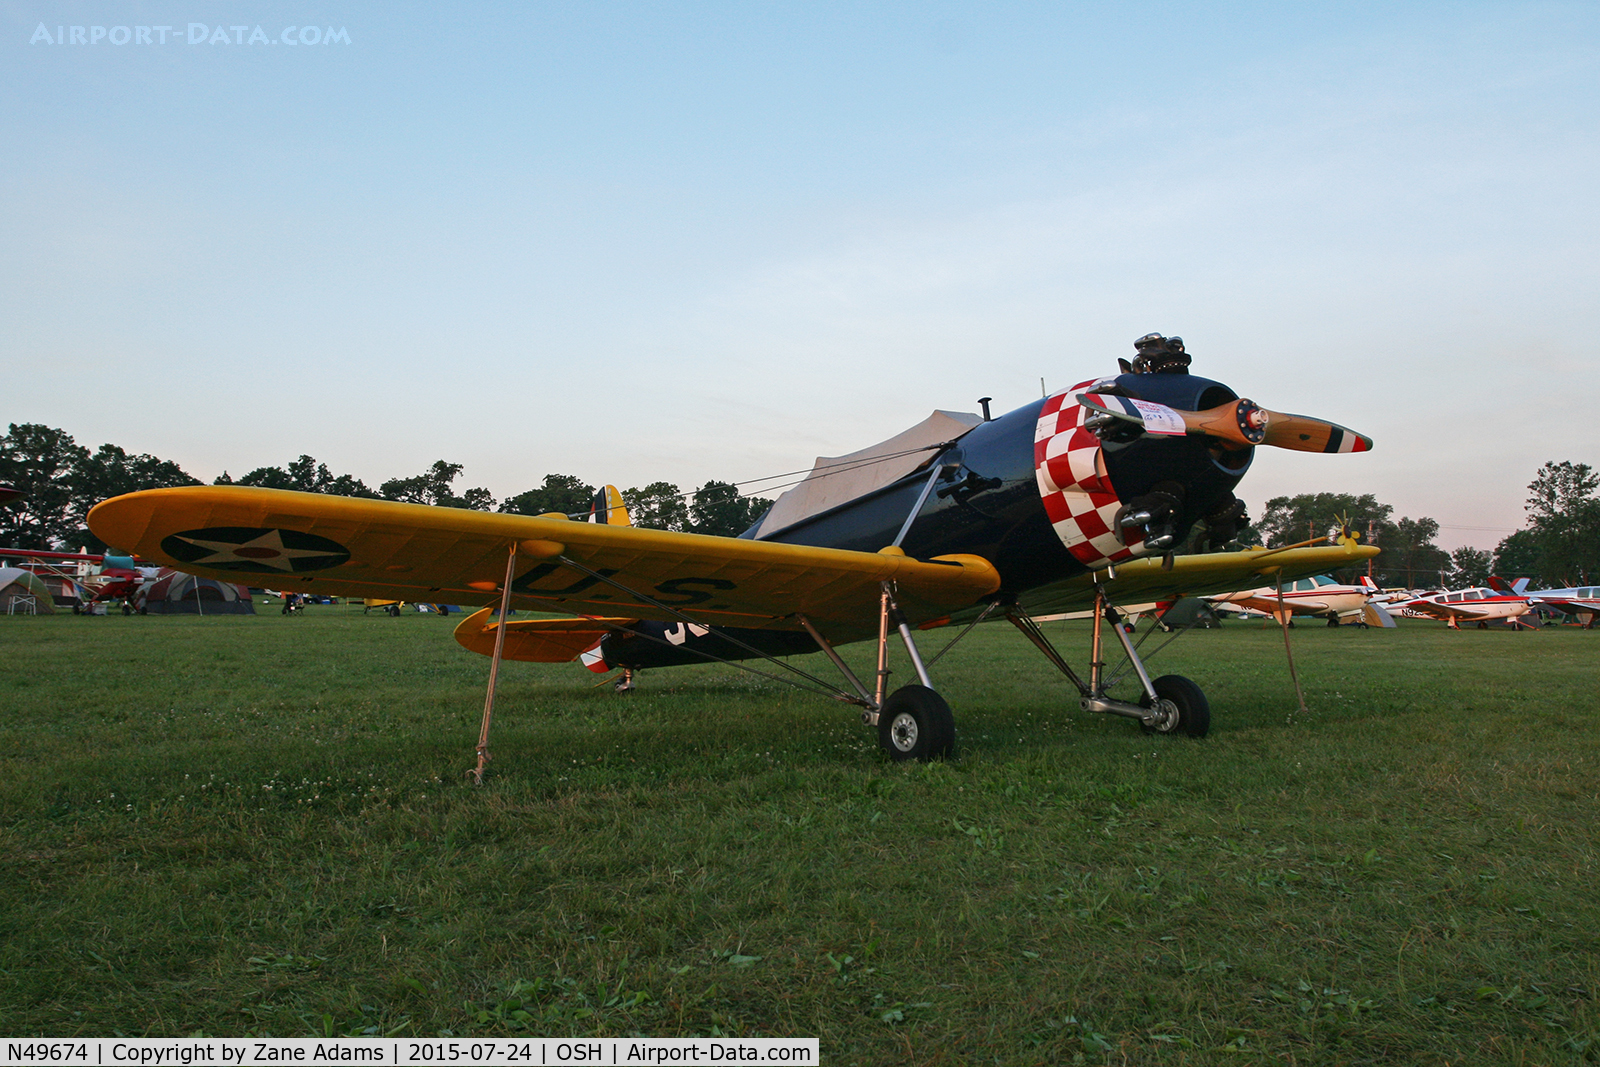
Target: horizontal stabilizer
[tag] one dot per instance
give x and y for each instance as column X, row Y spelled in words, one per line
column 1376, row 615
column 535, row 640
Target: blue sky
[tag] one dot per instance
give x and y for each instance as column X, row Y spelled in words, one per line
column 635, row 242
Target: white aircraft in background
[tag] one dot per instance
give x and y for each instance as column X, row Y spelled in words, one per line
column 1582, row 602
column 1479, row 605
column 1320, row 597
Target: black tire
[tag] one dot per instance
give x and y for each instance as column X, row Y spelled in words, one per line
column 916, row 724
column 1333, row 621
column 1194, row 711
column 127, row 610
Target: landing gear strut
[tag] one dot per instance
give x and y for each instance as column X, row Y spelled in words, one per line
column 1171, row 704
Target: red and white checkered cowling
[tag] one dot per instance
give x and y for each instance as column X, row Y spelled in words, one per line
column 1081, row 506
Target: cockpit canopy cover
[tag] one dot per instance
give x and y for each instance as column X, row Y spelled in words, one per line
column 836, row 480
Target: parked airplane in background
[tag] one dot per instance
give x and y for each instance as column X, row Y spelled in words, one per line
column 1319, row 596
column 1068, row 502
column 95, row 577
column 1481, row 606
column 1581, row 602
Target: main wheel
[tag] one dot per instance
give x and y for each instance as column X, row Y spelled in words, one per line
column 1193, row 712
column 915, row 724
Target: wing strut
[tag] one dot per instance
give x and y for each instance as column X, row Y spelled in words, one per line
column 916, row 509
column 987, row 611
column 1283, row 624
column 838, row 661
column 476, row 773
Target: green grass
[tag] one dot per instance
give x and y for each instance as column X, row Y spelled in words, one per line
column 261, row 826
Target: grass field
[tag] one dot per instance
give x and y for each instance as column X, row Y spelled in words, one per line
column 260, row 825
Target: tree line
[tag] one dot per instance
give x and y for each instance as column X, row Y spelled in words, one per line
column 61, row 480
column 1560, row 546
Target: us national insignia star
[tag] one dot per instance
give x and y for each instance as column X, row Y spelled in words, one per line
column 241, row 548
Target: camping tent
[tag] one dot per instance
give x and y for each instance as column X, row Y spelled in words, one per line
column 176, row 593
column 17, row 586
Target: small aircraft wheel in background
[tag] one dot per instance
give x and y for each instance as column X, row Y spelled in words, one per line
column 1192, row 712
column 127, row 610
column 915, row 724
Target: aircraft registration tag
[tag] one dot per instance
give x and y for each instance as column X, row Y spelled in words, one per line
column 1158, row 418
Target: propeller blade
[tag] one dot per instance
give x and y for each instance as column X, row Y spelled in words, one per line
column 1305, row 434
column 1239, row 422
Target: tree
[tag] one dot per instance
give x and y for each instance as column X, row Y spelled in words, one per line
column 110, row 472
column 719, row 509
column 63, row 480
column 40, row 461
column 304, row 475
column 433, row 486
column 1469, row 566
column 1565, row 519
column 1314, row 516
column 560, row 493
column 1288, row 520
column 1518, row 555
column 1409, row 555
column 657, row 506
column 1558, row 489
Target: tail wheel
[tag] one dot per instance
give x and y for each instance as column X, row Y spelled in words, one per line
column 915, row 723
column 1188, row 711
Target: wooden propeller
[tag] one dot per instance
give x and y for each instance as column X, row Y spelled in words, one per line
column 1241, row 423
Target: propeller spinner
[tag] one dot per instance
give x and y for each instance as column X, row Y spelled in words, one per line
column 1241, row 423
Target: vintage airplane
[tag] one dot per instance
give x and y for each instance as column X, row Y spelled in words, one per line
column 1069, row 502
column 1319, row 596
column 94, row 578
column 1478, row 605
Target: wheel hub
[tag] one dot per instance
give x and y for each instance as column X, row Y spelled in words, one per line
column 903, row 731
column 1163, row 716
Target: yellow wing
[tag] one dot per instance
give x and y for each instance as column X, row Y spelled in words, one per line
column 307, row 542
column 1145, row 580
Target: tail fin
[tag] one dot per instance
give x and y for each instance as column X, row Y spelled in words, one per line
column 1517, row 587
column 607, row 507
column 1368, row 584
